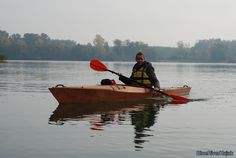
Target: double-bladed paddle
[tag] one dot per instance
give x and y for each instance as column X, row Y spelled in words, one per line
column 97, row 65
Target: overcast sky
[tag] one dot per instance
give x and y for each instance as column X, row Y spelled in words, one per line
column 155, row 22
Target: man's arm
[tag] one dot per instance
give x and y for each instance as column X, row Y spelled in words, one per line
column 152, row 76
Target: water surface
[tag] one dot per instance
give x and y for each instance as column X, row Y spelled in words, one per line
column 33, row 124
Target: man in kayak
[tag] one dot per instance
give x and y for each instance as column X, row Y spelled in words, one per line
column 143, row 72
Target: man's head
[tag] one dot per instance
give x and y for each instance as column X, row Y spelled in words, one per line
column 140, row 58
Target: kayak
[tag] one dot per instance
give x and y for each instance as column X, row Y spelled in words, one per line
column 110, row 93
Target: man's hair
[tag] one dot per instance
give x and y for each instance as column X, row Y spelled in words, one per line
column 139, row 54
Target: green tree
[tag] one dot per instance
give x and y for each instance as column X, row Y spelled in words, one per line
column 44, row 37
column 31, row 37
column 16, row 37
column 117, row 43
column 4, row 34
column 101, row 45
column 2, row 57
column 218, row 50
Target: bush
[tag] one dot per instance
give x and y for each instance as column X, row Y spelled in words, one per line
column 2, row 57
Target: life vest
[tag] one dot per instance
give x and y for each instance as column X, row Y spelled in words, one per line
column 141, row 76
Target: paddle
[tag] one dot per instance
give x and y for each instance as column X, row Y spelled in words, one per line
column 97, row 65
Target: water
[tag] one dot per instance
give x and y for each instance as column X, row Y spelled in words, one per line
column 32, row 124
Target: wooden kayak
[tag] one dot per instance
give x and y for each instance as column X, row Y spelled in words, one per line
column 109, row 93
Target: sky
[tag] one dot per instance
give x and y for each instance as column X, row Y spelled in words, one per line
column 155, row 22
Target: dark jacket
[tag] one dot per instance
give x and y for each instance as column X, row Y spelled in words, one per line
column 149, row 71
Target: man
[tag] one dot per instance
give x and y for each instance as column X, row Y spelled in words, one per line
column 143, row 73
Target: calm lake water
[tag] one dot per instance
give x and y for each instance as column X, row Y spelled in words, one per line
column 33, row 125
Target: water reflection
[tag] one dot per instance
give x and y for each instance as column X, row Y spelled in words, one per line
column 140, row 115
column 142, row 121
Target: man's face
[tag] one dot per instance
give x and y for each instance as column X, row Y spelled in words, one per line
column 140, row 59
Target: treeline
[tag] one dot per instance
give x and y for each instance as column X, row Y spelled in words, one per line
column 32, row 46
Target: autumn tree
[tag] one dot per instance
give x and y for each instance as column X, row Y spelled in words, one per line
column 101, row 45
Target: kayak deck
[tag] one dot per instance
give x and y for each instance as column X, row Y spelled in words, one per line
column 109, row 93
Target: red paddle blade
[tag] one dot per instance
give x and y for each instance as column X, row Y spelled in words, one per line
column 179, row 98
column 178, row 102
column 175, row 97
column 98, row 65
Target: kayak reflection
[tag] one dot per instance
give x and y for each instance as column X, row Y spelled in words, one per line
column 140, row 115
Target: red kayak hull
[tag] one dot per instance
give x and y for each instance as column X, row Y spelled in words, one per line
column 109, row 93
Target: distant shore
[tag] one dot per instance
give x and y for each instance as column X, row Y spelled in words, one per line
column 33, row 46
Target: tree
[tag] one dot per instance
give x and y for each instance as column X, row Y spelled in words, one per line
column 16, row 37
column 180, row 45
column 31, row 37
column 117, row 49
column 218, row 50
column 117, row 43
column 3, row 34
column 4, row 38
column 98, row 41
column 101, row 45
column 44, row 37
column 2, row 57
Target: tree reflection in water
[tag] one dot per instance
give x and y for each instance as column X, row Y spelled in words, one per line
column 141, row 115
